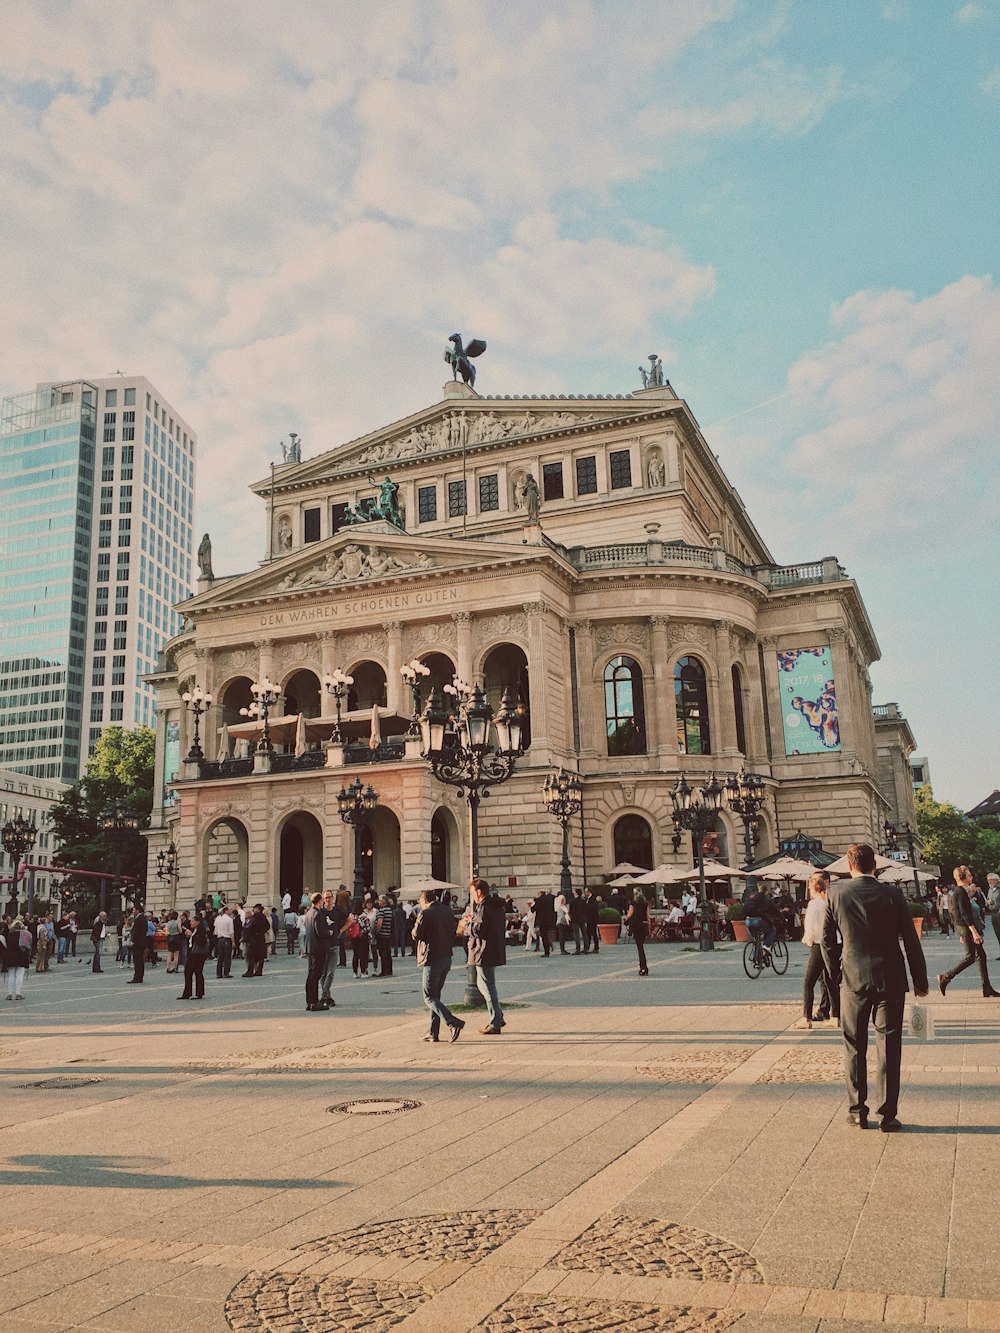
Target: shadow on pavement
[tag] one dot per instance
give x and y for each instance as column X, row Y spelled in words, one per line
column 82, row 1172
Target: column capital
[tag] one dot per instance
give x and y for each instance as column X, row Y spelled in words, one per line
column 263, row 645
column 392, row 626
column 535, row 608
column 462, row 618
column 659, row 622
column 724, row 626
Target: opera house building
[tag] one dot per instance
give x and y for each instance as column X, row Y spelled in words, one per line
column 587, row 557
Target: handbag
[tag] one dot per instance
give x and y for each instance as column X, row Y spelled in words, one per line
column 354, row 929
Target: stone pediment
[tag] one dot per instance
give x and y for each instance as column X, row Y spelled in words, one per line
column 456, row 426
column 364, row 555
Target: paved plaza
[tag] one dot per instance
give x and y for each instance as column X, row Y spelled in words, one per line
column 669, row 1153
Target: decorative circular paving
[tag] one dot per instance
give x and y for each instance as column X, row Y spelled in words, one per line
column 63, row 1082
column 286, row 1303
column 455, row 1236
column 535, row 1314
column 374, row 1106
column 649, row 1248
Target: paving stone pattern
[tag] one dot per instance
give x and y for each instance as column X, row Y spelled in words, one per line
column 697, row 1066
column 533, row 1314
column 451, row 1236
column 650, row 1248
column 283, row 1303
column 806, row 1067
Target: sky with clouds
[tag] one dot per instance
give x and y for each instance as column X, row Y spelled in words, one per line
column 278, row 213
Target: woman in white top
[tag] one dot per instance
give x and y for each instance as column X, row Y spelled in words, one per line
column 812, row 935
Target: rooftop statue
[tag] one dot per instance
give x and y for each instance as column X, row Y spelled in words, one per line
column 292, row 452
column 458, row 357
column 385, row 505
column 205, row 558
column 653, row 377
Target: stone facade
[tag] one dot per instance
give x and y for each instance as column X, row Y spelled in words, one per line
column 638, row 617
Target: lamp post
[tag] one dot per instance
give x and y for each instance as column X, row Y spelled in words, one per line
column 355, row 804
column 562, row 794
column 337, row 684
column 265, row 695
column 909, row 836
column 413, row 672
column 18, row 837
column 197, row 702
column 118, row 823
column 167, row 868
column 696, row 810
column 745, row 795
column 464, row 754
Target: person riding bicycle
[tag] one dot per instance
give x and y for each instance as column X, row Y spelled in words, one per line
column 762, row 917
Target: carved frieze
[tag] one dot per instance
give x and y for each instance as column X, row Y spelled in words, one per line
column 689, row 631
column 613, row 634
column 365, row 641
column 460, row 430
column 233, row 659
column 354, row 564
column 314, row 803
column 504, row 625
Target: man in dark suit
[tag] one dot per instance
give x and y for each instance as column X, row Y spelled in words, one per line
column 140, row 942
column 545, row 919
column 871, row 917
column 434, row 933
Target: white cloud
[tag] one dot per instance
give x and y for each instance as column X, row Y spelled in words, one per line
column 970, row 14
column 991, row 83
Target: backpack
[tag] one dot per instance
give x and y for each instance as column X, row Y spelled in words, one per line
column 24, row 938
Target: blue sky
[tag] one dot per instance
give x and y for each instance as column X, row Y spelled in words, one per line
column 278, row 213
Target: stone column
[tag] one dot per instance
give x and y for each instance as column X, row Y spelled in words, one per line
column 727, row 708
column 328, row 654
column 394, row 660
column 589, row 725
column 537, row 675
column 463, row 650
column 660, row 700
column 265, row 657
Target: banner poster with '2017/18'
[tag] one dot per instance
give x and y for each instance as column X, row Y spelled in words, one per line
column 808, row 700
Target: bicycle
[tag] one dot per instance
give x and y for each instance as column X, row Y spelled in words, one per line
column 757, row 956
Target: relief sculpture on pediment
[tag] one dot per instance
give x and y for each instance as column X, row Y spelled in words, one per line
column 351, row 565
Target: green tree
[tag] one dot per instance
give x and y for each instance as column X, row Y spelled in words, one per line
column 950, row 838
column 119, row 772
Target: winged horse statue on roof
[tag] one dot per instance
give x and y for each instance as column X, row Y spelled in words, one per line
column 460, row 358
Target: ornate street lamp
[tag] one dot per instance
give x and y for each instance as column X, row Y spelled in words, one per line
column 197, row 702
column 412, row 673
column 696, row 810
column 354, row 805
column 472, row 750
column 168, row 868
column 562, row 794
column 265, row 695
column 119, row 824
column 337, row 684
column 745, row 795
column 18, row 837
column 909, row 836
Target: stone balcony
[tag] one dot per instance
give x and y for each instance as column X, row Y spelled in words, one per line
column 656, row 553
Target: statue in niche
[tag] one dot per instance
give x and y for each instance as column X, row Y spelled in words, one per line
column 526, row 497
column 655, row 471
column 205, row 558
column 653, row 377
column 284, row 535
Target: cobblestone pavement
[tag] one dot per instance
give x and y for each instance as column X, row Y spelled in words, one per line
column 670, row 1154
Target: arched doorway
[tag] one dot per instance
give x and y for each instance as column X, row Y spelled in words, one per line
column 300, row 856
column 234, row 696
column 506, row 667
column 226, row 860
column 633, row 841
column 383, row 829
column 369, row 688
column 442, row 670
column 446, row 851
column 302, row 695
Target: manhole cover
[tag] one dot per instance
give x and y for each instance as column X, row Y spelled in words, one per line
column 63, row 1082
column 374, row 1106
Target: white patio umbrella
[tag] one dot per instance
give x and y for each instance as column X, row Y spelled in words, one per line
column 627, row 868
column 300, row 737
column 715, row 870
column 900, row 873
column 662, row 874
column 223, row 743
column 786, row 867
column 840, row 866
column 417, row 886
column 622, row 882
column 375, row 735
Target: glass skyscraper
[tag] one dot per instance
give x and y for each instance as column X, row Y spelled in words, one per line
column 97, row 490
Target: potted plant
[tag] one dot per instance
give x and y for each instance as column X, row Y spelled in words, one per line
column 609, row 921
column 917, row 912
column 736, row 913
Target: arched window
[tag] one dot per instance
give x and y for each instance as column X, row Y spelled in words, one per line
column 741, row 730
column 691, row 696
column 624, row 711
column 633, row 839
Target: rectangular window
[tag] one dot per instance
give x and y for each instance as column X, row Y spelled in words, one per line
column 110, row 398
column 621, row 469
column 427, row 504
column 98, row 677
column 117, row 705
column 456, row 498
column 586, row 476
column 337, row 513
column 97, row 706
column 128, row 425
column 552, row 481
column 130, row 398
column 109, row 426
column 310, row 525
column 489, row 493
column 104, row 536
column 101, row 637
